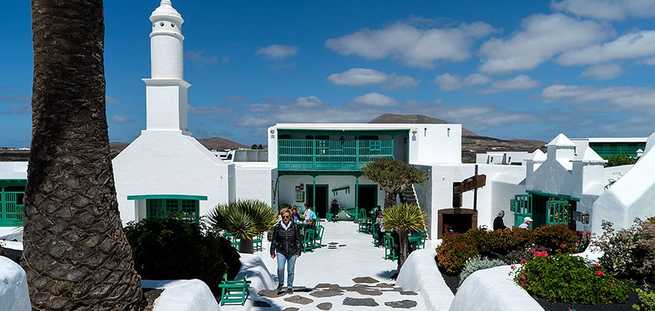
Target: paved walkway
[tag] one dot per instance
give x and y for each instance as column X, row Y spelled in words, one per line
column 348, row 270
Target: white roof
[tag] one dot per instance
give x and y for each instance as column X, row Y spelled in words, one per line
column 357, row 126
column 13, row 170
column 590, row 156
column 561, row 141
column 539, row 156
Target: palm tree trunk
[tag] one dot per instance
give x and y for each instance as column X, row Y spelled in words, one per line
column 245, row 246
column 76, row 254
column 389, row 199
column 403, row 245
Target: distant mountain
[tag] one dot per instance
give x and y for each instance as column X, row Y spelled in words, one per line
column 211, row 143
column 472, row 143
column 415, row 119
column 218, row 143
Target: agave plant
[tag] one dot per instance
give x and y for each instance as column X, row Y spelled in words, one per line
column 244, row 219
column 403, row 218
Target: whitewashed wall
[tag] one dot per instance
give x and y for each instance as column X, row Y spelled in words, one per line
column 167, row 162
column 251, row 181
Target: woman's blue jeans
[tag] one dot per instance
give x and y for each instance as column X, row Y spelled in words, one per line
column 290, row 263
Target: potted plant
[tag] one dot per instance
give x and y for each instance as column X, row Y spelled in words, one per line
column 244, row 219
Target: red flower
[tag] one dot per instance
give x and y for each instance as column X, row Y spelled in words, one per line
column 540, row 253
column 599, row 273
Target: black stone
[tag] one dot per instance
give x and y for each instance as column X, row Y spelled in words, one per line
column 365, row 279
column 324, row 306
column 261, row 304
column 360, row 302
column 408, row 293
column 291, row 309
column 384, row 285
column 299, row 300
column 401, row 304
column 326, row 293
column 270, row 293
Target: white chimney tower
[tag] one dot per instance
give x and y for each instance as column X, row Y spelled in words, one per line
column 166, row 90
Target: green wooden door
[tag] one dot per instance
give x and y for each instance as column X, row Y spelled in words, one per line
column 11, row 209
column 522, row 207
column 558, row 212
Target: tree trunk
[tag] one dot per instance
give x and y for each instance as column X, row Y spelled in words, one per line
column 389, row 199
column 245, row 246
column 403, row 245
column 76, row 254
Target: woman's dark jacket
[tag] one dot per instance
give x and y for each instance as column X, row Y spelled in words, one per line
column 498, row 223
column 287, row 242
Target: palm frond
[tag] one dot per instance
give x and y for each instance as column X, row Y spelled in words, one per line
column 245, row 219
column 404, row 217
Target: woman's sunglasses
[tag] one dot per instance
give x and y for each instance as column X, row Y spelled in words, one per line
column 286, row 216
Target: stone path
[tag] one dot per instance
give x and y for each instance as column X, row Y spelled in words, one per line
column 350, row 275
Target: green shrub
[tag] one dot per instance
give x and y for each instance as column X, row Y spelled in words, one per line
column 629, row 253
column 618, row 160
column 558, row 238
column 568, row 279
column 478, row 263
column 646, row 300
column 454, row 251
column 169, row 249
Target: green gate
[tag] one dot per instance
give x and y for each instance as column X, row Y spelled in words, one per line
column 11, row 208
column 558, row 212
column 521, row 206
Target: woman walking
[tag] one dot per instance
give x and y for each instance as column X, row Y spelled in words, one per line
column 285, row 245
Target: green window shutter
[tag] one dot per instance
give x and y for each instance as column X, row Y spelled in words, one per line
column 521, row 206
column 11, row 208
column 165, row 208
column 558, row 211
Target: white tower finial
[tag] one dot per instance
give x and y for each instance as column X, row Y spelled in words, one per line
column 166, row 90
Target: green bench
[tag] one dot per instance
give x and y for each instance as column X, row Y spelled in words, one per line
column 234, row 291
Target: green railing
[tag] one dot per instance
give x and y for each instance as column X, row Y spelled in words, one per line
column 11, row 209
column 330, row 155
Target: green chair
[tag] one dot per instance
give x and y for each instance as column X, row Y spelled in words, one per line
column 257, row 243
column 234, row 291
column 308, row 240
column 318, row 239
column 234, row 241
column 417, row 239
column 390, row 247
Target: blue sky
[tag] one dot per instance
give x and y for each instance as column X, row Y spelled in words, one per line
column 511, row 69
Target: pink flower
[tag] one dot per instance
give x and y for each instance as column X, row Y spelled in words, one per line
column 540, row 254
column 599, row 273
column 513, row 267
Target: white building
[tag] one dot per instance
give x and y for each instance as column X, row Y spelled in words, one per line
column 503, row 157
column 166, row 170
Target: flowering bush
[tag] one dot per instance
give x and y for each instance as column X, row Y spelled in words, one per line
column 567, row 279
column 558, row 238
column 478, row 263
column 454, row 251
column 628, row 253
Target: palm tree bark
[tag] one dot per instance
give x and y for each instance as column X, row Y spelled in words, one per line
column 403, row 246
column 76, row 254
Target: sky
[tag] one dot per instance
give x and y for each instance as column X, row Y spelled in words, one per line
column 508, row 69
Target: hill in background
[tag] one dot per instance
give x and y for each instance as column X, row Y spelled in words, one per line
column 472, row 143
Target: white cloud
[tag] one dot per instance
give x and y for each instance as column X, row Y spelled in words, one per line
column 633, row 45
column 607, row 9
column 449, row 82
column 541, row 37
column 650, row 61
column 411, row 45
column 484, row 117
column 308, row 102
column 520, row 82
column 642, row 99
column 602, row 72
column 374, row 100
column 357, row 77
column 277, row 51
column 364, row 76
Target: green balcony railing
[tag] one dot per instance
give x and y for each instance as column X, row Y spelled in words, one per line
column 331, row 155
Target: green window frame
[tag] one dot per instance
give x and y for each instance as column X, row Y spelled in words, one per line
column 558, row 212
column 12, row 193
column 166, row 208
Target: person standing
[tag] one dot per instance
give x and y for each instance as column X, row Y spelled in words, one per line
column 285, row 246
column 527, row 221
column 309, row 215
column 334, row 209
column 498, row 221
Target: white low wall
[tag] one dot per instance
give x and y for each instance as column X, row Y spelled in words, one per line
column 420, row 274
column 13, row 287
column 493, row 290
column 182, row 295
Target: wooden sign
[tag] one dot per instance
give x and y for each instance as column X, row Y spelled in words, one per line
column 471, row 183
